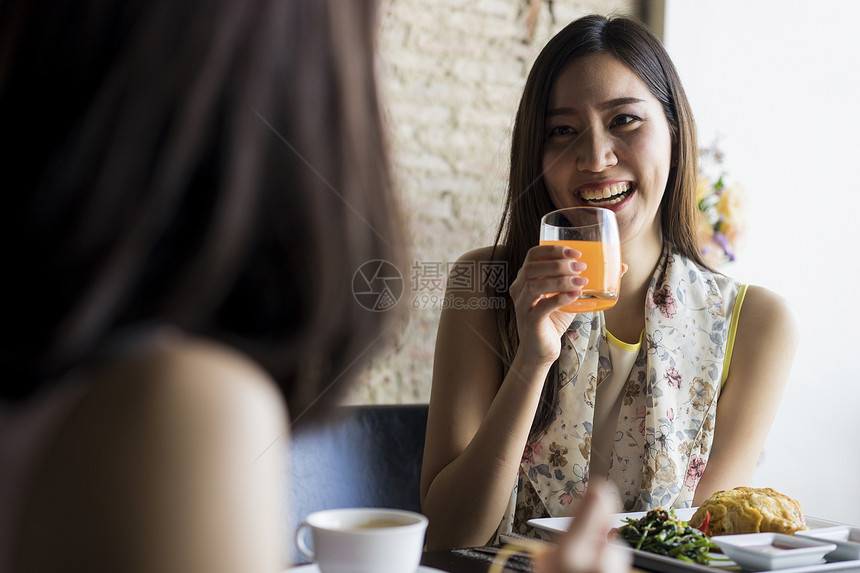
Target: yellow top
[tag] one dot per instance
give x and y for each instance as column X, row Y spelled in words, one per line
column 730, row 345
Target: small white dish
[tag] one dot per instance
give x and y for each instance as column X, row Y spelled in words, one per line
column 768, row 551
column 846, row 538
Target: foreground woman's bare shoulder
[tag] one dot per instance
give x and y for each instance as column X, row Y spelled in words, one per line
column 171, row 445
column 189, row 368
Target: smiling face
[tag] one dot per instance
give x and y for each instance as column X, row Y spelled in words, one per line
column 607, row 144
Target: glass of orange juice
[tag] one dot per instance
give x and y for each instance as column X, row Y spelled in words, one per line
column 593, row 232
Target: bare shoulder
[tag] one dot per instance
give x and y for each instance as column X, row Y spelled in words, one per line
column 200, row 392
column 481, row 254
column 171, row 435
column 188, row 384
column 765, row 311
column 196, row 370
column 474, row 264
column 765, row 343
column 175, row 378
column 764, row 349
column 468, row 332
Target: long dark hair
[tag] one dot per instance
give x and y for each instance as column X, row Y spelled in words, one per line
column 217, row 166
column 527, row 197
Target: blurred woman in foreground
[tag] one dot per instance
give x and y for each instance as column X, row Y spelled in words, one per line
column 193, row 185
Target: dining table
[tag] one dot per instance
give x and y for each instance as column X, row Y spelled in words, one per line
column 465, row 560
column 477, row 560
column 458, row 560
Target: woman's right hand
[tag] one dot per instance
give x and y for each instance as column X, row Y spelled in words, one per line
column 547, row 270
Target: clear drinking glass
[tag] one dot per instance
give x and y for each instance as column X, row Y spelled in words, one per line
column 592, row 231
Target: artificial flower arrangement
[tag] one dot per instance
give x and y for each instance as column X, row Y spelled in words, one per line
column 721, row 209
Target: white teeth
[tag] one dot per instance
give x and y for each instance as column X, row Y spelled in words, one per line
column 611, row 192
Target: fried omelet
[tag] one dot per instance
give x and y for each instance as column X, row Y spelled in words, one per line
column 749, row 510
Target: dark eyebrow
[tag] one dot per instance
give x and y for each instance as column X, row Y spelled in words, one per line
column 621, row 101
column 605, row 105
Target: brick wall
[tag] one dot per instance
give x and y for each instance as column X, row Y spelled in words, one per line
column 451, row 73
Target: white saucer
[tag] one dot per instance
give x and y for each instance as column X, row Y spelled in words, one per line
column 312, row 568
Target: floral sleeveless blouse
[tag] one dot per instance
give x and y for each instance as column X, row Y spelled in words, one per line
column 666, row 422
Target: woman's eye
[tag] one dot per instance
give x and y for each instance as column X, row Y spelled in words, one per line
column 561, row 130
column 624, row 119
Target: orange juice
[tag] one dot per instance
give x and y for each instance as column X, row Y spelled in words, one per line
column 603, row 274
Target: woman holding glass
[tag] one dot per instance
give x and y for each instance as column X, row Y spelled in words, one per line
column 669, row 393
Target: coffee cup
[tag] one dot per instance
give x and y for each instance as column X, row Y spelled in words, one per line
column 363, row 540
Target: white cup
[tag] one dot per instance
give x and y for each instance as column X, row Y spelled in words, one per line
column 363, row 540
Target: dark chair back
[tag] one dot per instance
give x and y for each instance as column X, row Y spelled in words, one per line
column 360, row 456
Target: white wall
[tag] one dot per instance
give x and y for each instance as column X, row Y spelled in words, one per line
column 779, row 82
